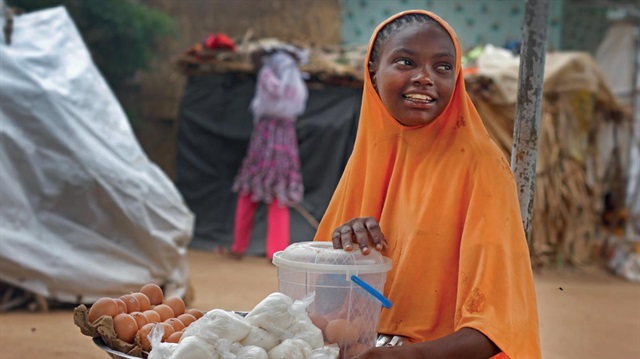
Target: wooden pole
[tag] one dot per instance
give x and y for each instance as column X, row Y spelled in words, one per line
column 528, row 106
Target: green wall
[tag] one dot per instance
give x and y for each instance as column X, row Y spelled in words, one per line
column 583, row 25
column 477, row 22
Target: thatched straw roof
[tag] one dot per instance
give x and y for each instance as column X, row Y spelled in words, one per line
column 337, row 66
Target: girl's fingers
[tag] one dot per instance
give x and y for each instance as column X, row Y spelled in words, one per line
column 362, row 236
column 346, row 237
column 364, row 231
column 373, row 228
column 335, row 239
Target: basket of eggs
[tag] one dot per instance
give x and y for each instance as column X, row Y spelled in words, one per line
column 121, row 326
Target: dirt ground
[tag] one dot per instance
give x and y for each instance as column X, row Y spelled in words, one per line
column 584, row 313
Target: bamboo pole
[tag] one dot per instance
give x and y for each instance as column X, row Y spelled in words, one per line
column 528, row 106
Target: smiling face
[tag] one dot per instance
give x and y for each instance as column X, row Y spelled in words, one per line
column 414, row 72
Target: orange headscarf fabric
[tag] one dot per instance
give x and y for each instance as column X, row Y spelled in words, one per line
column 446, row 201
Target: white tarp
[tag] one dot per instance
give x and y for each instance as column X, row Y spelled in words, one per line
column 616, row 55
column 619, row 57
column 83, row 212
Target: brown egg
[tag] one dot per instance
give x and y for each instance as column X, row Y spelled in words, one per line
column 342, row 332
column 176, row 323
column 132, row 303
column 103, row 306
column 125, row 326
column 344, row 310
column 175, row 337
column 164, row 310
column 186, row 319
column 145, row 331
column 143, row 334
column 177, row 304
column 319, row 321
column 145, row 303
column 152, row 316
column 359, row 323
column 140, row 318
column 168, row 330
column 121, row 305
column 365, row 328
column 153, row 292
column 195, row 312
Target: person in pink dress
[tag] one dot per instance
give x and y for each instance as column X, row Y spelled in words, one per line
column 270, row 172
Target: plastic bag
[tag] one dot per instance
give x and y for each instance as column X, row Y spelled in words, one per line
column 280, row 91
column 160, row 350
column 194, row 347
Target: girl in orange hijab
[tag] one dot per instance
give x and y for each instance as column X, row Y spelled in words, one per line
column 427, row 186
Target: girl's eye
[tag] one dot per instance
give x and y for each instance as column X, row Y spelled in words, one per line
column 405, row 62
column 444, row 67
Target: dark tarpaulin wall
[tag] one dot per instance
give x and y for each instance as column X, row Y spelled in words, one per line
column 213, row 135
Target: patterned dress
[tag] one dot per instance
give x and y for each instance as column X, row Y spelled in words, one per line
column 271, row 169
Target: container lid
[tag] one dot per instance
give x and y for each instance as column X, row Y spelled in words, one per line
column 321, row 257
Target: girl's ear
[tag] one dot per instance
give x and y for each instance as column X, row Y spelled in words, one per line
column 372, row 74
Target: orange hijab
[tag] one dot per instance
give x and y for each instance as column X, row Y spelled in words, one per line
column 445, row 198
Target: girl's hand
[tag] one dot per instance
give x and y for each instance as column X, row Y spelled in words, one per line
column 363, row 231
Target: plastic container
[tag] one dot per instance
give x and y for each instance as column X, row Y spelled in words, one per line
column 347, row 314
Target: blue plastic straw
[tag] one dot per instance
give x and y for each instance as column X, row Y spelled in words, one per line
column 371, row 290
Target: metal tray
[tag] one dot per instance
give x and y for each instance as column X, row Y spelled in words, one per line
column 382, row 341
column 114, row 354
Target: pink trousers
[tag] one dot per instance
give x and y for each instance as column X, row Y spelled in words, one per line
column 277, row 226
